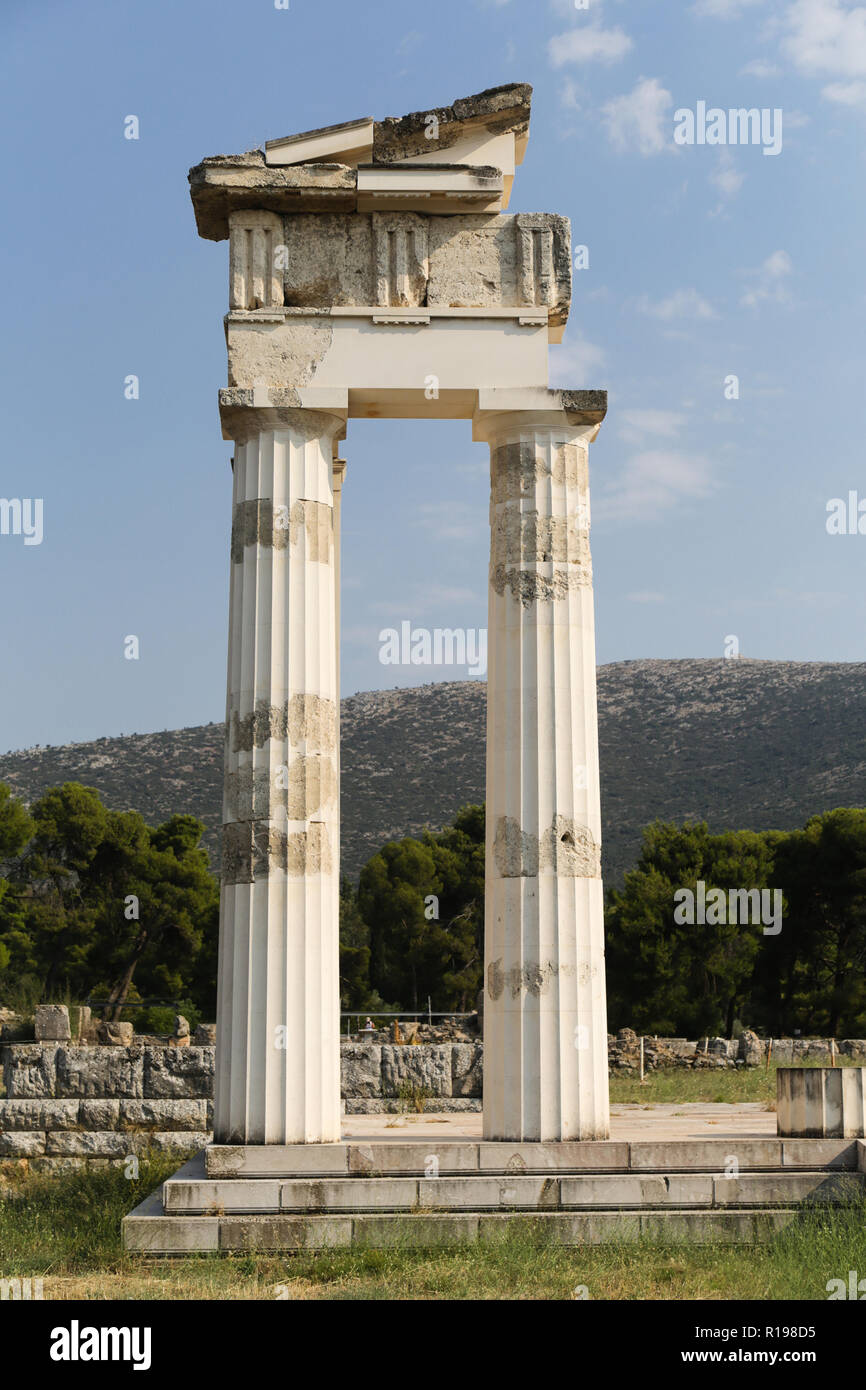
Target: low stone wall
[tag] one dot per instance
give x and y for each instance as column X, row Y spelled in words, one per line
column 100, row 1105
column 441, row 1076
column 747, row 1051
column 66, row 1105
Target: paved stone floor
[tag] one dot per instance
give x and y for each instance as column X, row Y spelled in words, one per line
column 627, row 1122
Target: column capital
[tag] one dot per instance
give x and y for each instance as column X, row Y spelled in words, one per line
column 317, row 413
column 512, row 408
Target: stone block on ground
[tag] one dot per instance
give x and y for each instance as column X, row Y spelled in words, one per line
column 51, row 1023
column 115, row 1034
column 81, row 1023
column 180, row 1038
column 751, row 1049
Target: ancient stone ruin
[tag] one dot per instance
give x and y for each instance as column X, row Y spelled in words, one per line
column 375, row 272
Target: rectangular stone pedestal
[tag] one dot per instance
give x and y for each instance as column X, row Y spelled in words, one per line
column 821, row 1102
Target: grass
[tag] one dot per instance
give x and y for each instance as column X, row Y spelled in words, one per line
column 680, row 1085
column 65, row 1229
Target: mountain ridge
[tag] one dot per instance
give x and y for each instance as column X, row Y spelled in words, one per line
column 741, row 743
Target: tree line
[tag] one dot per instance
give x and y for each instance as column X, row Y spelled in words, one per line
column 97, row 904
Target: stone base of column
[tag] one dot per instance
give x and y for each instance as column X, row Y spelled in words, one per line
column 545, row 1014
column 424, row 1192
column 279, row 1067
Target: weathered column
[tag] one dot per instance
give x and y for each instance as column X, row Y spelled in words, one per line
column 545, row 1024
column 338, row 474
column 277, row 1058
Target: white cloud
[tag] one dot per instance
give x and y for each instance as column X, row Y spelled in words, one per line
column 652, row 484
column 769, row 281
column 570, row 95
column 574, row 362
column 846, row 93
column 759, row 67
column 682, row 304
column 727, row 178
column 638, row 119
column 827, row 39
column 639, row 423
column 591, row 44
column 723, row 9
column 409, row 43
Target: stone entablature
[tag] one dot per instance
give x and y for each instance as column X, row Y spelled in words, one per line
column 399, row 215
column 374, row 260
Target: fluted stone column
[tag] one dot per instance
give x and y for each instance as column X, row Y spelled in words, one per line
column 545, row 1024
column 277, row 1055
column 338, row 475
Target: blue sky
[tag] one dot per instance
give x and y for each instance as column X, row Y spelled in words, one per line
column 704, row 262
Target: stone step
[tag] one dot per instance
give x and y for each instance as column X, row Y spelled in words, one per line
column 476, row 1192
column 418, row 1157
column 147, row 1231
